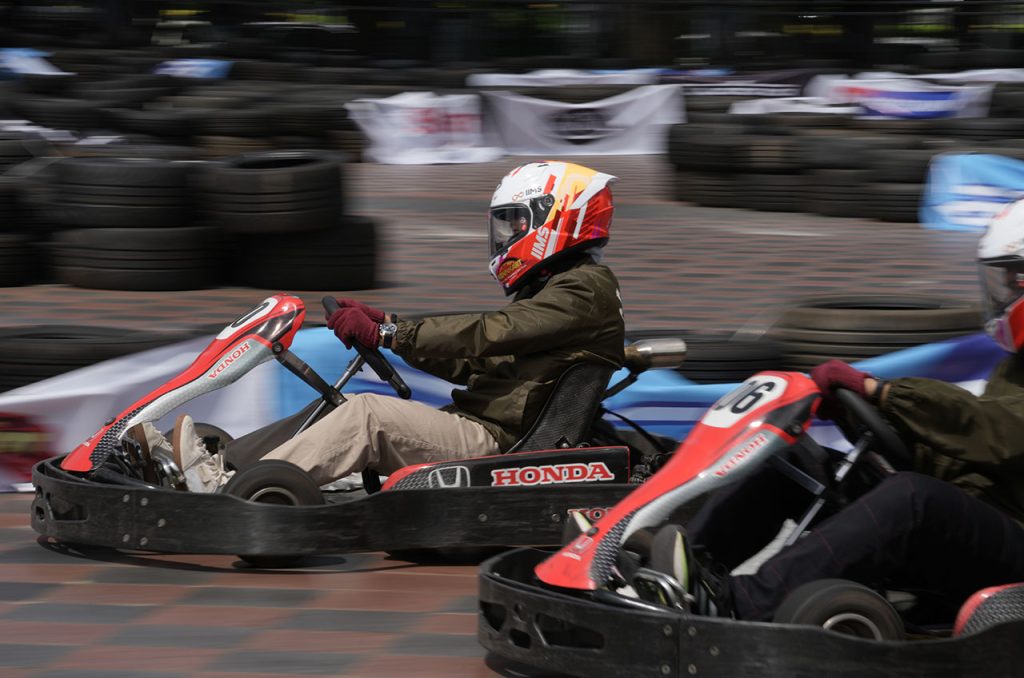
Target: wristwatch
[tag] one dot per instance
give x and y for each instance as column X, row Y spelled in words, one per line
column 387, row 334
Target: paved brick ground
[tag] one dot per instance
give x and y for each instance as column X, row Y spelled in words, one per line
column 100, row 613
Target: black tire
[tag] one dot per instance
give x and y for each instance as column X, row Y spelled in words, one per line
column 277, row 482
column 705, row 188
column 275, row 172
column 150, row 259
column 719, row 358
column 844, row 607
column 893, row 202
column 36, row 353
column 339, row 258
column 18, row 259
column 772, row 192
column 817, row 329
column 134, row 172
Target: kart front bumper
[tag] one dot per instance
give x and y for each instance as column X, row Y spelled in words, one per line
column 522, row 622
column 73, row 509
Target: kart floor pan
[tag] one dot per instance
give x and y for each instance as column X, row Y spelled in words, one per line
column 555, row 632
column 74, row 510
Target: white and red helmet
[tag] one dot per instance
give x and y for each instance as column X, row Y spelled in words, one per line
column 542, row 210
column 1001, row 259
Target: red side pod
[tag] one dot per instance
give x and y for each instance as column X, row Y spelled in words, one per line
column 765, row 414
column 229, row 355
column 989, row 607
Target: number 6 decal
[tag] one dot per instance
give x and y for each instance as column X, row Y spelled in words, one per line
column 736, row 404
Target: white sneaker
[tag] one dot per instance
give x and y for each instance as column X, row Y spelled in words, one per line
column 150, row 443
column 204, row 472
column 150, row 439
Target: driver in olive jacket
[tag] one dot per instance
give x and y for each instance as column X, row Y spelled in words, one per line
column 951, row 525
column 548, row 224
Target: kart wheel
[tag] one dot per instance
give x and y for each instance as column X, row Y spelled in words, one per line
column 844, row 607
column 277, row 482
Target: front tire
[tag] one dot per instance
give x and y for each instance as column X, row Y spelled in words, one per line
column 844, row 607
column 279, row 483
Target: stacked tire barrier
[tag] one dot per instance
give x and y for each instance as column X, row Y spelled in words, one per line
column 719, row 358
column 128, row 223
column 273, row 220
column 36, row 353
column 823, row 163
column 287, row 214
column 849, row 328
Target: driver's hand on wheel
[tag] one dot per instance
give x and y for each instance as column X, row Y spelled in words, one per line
column 351, row 324
column 836, row 374
column 374, row 314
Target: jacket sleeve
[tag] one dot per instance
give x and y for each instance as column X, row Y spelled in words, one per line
column 952, row 421
column 563, row 313
column 457, row 371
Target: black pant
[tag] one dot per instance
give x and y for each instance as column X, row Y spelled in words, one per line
column 911, row 532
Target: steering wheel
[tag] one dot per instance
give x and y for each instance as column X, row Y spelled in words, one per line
column 374, row 358
column 885, row 439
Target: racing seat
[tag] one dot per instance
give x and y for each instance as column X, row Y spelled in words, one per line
column 564, row 421
column 570, row 410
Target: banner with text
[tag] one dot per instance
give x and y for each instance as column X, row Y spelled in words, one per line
column 895, row 98
column 631, row 123
column 964, row 191
column 421, row 128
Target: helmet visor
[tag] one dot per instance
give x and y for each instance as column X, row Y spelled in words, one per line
column 1003, row 284
column 507, row 224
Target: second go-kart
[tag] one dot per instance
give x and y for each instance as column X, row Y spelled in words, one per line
column 611, row 604
column 106, row 493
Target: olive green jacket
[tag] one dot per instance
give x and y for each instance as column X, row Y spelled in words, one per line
column 509, row 359
column 975, row 442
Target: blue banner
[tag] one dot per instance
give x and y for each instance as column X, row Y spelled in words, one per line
column 195, row 68
column 964, row 191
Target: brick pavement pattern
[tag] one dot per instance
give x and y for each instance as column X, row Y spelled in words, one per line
column 89, row 612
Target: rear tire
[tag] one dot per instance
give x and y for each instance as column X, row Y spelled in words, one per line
column 276, row 482
column 842, row 606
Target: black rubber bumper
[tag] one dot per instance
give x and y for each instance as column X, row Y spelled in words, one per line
column 554, row 632
column 72, row 509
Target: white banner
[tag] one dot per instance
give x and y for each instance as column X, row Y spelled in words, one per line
column 558, row 77
column 903, row 98
column 976, row 75
column 422, row 128
column 632, row 123
column 792, row 105
column 27, row 61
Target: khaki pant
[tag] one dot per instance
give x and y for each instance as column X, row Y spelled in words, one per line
column 384, row 433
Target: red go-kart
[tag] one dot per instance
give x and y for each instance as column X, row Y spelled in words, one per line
column 105, row 493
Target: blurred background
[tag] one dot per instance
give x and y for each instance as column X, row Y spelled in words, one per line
column 513, row 33
column 797, row 181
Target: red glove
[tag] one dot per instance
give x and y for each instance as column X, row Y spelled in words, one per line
column 836, row 374
column 351, row 324
column 374, row 314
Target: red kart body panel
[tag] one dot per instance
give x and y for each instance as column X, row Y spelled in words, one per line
column 238, row 348
column 743, row 429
